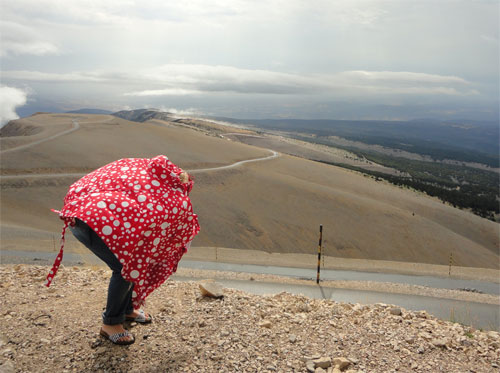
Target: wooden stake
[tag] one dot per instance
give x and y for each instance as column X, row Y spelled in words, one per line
column 319, row 251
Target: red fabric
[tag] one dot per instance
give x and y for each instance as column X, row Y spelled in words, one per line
column 142, row 211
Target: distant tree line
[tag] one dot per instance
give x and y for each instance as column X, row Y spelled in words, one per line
column 461, row 186
column 481, row 200
column 437, row 151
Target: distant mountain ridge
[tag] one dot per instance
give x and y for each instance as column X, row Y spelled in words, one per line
column 143, row 115
column 89, row 111
column 436, row 138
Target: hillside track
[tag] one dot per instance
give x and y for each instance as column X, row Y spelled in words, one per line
column 75, row 127
column 195, row 171
column 236, row 164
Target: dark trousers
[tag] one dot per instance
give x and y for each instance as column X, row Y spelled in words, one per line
column 119, row 301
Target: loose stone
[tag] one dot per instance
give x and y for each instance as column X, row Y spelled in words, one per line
column 341, row 362
column 211, row 289
column 265, row 324
column 310, row 366
column 395, row 311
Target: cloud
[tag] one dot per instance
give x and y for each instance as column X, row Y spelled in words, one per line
column 182, row 112
column 10, row 99
column 405, row 82
column 193, row 79
column 69, row 11
column 402, row 77
column 186, row 79
column 18, row 39
column 164, row 92
column 119, row 12
column 38, row 76
column 490, row 39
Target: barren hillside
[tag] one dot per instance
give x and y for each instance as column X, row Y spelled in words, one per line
column 275, row 205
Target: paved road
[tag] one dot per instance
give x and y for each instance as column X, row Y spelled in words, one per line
column 346, row 275
column 479, row 315
column 272, row 156
column 236, row 164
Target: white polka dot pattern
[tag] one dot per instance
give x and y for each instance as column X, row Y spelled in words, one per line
column 143, row 213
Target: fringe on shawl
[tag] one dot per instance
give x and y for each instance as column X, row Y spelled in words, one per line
column 58, row 260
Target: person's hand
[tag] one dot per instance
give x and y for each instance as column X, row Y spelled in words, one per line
column 184, row 177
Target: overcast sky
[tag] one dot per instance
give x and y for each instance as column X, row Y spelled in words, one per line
column 253, row 59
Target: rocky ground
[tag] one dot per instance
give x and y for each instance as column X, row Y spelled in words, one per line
column 56, row 329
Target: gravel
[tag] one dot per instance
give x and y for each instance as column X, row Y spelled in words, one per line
column 56, row 329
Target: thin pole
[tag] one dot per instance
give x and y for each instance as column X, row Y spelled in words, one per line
column 451, row 260
column 319, row 251
column 323, row 256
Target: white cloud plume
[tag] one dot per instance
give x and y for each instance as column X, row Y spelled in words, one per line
column 10, row 99
column 189, row 112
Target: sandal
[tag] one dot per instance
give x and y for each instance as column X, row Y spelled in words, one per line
column 115, row 338
column 141, row 319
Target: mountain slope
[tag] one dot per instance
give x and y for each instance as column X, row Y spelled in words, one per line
column 142, row 115
column 89, row 111
column 275, row 205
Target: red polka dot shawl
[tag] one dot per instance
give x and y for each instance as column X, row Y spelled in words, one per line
column 141, row 209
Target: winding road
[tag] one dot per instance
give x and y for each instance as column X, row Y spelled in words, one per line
column 195, row 171
column 76, row 126
column 236, row 164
